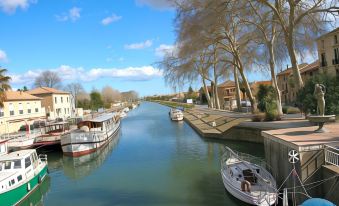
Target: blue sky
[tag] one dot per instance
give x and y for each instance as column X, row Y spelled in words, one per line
column 114, row 42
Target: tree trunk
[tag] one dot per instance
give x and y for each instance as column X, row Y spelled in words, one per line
column 274, row 79
column 248, row 89
column 207, row 94
column 237, row 89
column 212, row 95
column 295, row 68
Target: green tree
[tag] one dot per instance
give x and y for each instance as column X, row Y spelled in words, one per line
column 308, row 103
column 4, row 85
column 267, row 102
column 96, row 100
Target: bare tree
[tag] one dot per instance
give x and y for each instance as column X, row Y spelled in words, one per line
column 48, row 79
column 300, row 16
column 110, row 95
column 130, row 96
column 74, row 89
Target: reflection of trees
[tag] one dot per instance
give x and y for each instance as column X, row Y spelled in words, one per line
column 79, row 167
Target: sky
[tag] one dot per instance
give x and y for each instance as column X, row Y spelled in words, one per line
column 95, row 43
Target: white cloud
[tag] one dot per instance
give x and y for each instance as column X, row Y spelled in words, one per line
column 73, row 15
column 10, row 6
column 141, row 45
column 110, row 19
column 69, row 73
column 157, row 4
column 164, row 49
column 3, row 56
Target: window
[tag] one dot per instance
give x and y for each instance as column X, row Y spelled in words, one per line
column 336, row 56
column 1, row 112
column 11, row 109
column 65, row 110
column 29, row 108
column 55, row 100
column 12, row 181
column 67, row 99
column 17, row 164
column 323, row 60
column 27, row 162
column 8, row 165
column 62, row 100
column 21, row 109
column 335, row 39
column 19, row 178
column 36, row 110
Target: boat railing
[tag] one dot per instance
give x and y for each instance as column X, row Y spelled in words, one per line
column 331, row 155
column 19, row 135
column 43, row 157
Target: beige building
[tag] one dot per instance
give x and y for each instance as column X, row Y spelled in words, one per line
column 58, row 103
column 20, row 108
column 328, row 52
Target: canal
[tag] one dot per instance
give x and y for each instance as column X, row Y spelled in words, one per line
column 153, row 161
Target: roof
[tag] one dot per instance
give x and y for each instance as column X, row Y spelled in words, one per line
column 288, row 71
column 46, row 90
column 329, row 33
column 311, row 67
column 269, row 82
column 103, row 117
column 227, row 83
column 17, row 155
column 19, row 95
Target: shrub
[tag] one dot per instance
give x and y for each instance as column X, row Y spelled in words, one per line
column 267, row 102
column 259, row 117
column 293, row 110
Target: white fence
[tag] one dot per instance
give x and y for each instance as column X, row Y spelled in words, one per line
column 331, row 155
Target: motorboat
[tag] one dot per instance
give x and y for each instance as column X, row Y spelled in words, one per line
column 246, row 178
column 91, row 135
column 52, row 134
column 21, row 172
column 176, row 115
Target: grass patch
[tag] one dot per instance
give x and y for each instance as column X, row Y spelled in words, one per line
column 175, row 104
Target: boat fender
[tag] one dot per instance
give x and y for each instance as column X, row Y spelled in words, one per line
column 39, row 179
column 28, row 187
column 246, row 186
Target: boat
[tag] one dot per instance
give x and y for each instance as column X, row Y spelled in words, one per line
column 134, row 106
column 52, row 134
column 126, row 110
column 246, row 178
column 176, row 115
column 21, row 139
column 3, row 147
column 21, row 172
column 122, row 114
column 90, row 135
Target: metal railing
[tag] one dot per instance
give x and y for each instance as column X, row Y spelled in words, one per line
column 331, row 155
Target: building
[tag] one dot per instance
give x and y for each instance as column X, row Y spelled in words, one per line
column 20, row 108
column 57, row 103
column 227, row 94
column 285, row 81
column 328, row 52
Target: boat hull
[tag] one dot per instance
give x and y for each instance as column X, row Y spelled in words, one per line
column 86, row 144
column 17, row 195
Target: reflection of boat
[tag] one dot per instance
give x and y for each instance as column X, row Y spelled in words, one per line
column 36, row 197
column 91, row 135
column 78, row 167
column 247, row 181
column 52, row 134
column 176, row 115
column 21, row 172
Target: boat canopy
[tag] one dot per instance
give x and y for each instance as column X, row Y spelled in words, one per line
column 103, row 117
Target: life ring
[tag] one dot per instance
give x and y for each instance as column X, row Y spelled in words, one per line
column 245, row 186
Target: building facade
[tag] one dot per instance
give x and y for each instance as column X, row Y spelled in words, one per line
column 20, row 108
column 57, row 103
column 328, row 52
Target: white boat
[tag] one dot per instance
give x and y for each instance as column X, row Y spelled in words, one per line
column 3, row 147
column 248, row 181
column 22, row 139
column 134, row 106
column 126, row 110
column 122, row 114
column 52, row 134
column 176, row 115
column 90, row 135
column 21, row 172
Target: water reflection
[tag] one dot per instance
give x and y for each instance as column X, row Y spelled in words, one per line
column 36, row 198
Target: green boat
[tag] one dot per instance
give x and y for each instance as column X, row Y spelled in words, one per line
column 21, row 172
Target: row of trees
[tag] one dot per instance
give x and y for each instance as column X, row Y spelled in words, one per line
column 220, row 39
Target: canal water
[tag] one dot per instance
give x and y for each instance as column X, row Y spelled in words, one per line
column 153, row 161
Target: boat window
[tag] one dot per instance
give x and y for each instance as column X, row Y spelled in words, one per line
column 17, row 164
column 27, row 162
column 19, row 178
column 9, row 182
column 34, row 157
column 12, row 181
column 8, row 165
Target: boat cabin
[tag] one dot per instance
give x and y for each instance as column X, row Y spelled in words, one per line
column 241, row 172
column 16, row 166
column 100, row 123
column 57, row 127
